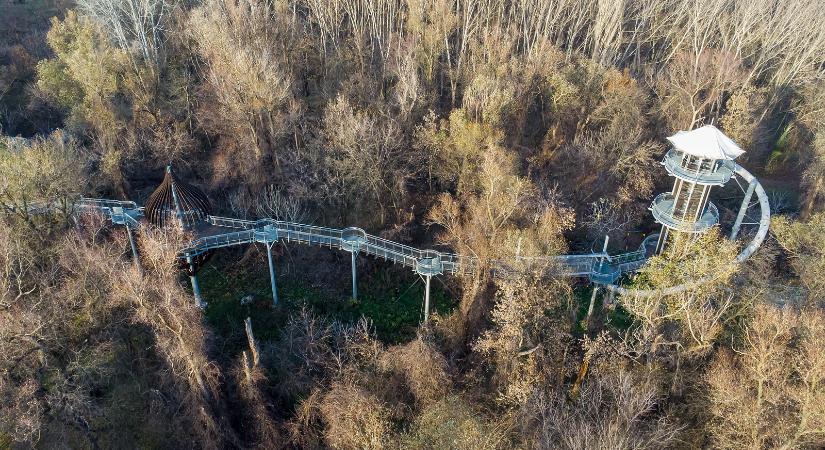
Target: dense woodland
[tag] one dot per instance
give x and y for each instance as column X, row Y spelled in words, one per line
column 482, row 127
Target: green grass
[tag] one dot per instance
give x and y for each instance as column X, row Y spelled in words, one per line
column 392, row 299
column 617, row 318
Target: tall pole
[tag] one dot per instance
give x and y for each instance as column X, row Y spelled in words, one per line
column 272, row 272
column 354, row 278
column 427, row 298
column 743, row 209
column 134, row 249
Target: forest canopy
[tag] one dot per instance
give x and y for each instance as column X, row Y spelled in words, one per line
column 498, row 129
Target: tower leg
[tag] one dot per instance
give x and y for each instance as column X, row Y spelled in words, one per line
column 354, row 278
column 272, row 272
column 660, row 244
column 742, row 210
column 427, row 298
column 134, row 249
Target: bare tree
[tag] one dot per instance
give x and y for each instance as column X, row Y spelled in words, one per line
column 274, row 203
column 245, row 47
column 364, row 155
column 768, row 393
column 38, row 179
column 136, row 26
column 613, row 410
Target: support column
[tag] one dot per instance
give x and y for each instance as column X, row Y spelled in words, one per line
column 734, row 232
column 196, row 288
column 427, row 298
column 134, row 249
column 592, row 304
column 354, row 278
column 596, row 285
column 269, row 246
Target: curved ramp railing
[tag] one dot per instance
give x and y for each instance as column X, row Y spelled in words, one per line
column 761, row 233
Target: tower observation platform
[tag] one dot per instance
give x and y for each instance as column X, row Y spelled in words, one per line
column 700, row 159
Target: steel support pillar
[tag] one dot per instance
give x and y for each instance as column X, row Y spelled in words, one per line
column 134, row 249
column 592, row 303
column 427, row 297
column 196, row 288
column 660, row 243
column 734, row 232
column 596, row 285
column 354, row 278
column 269, row 246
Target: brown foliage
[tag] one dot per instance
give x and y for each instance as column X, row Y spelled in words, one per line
column 526, row 345
column 613, row 410
column 423, row 368
column 703, row 309
column 179, row 332
column 769, row 392
column 454, row 424
column 803, row 243
column 354, row 418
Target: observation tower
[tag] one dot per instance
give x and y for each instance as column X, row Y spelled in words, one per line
column 700, row 159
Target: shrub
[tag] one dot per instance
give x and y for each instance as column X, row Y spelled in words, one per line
column 422, row 367
column 453, row 424
column 353, row 418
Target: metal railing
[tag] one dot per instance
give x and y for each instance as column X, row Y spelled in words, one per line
column 429, row 261
column 662, row 208
column 697, row 173
column 106, row 203
column 571, row 265
column 206, row 243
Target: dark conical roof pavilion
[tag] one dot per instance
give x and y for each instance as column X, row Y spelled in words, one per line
column 176, row 202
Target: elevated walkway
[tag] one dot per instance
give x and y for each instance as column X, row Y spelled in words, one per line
column 222, row 232
column 600, row 268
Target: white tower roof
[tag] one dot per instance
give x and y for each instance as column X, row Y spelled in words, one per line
column 706, row 142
